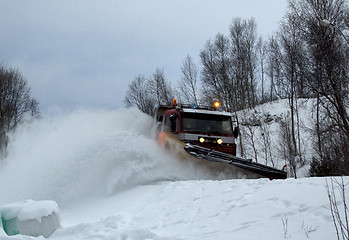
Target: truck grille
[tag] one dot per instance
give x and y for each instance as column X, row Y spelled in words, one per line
column 230, row 149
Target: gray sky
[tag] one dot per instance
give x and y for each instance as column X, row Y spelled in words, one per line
column 84, row 53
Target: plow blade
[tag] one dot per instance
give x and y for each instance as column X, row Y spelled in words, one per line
column 247, row 164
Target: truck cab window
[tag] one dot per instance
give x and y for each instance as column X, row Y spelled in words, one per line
column 174, row 123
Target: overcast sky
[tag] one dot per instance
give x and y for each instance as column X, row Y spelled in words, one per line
column 84, row 53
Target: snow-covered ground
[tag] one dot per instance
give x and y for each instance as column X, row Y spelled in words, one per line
column 112, row 181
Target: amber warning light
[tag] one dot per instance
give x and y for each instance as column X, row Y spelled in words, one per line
column 217, row 104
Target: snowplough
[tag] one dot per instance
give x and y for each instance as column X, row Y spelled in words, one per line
column 206, row 135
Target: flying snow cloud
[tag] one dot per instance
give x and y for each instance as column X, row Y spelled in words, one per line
column 87, row 153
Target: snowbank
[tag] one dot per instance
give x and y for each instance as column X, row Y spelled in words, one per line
column 247, row 209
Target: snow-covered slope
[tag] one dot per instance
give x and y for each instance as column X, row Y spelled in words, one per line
column 262, row 133
column 112, row 181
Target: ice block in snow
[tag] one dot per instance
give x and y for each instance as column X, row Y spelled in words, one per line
column 32, row 218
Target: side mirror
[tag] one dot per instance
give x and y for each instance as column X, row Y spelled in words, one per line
column 236, row 132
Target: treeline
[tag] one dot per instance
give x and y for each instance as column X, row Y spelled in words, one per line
column 306, row 58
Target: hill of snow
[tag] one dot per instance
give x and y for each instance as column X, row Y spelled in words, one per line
column 262, row 137
column 112, row 181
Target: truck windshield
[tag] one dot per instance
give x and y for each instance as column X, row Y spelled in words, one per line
column 206, row 123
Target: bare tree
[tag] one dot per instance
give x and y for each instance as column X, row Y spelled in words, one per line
column 146, row 93
column 266, row 142
column 327, row 74
column 160, row 88
column 243, row 34
column 139, row 95
column 217, row 82
column 188, row 85
column 15, row 103
column 286, row 147
column 249, row 125
column 262, row 54
column 288, row 66
column 340, row 217
column 274, row 69
column 230, row 65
